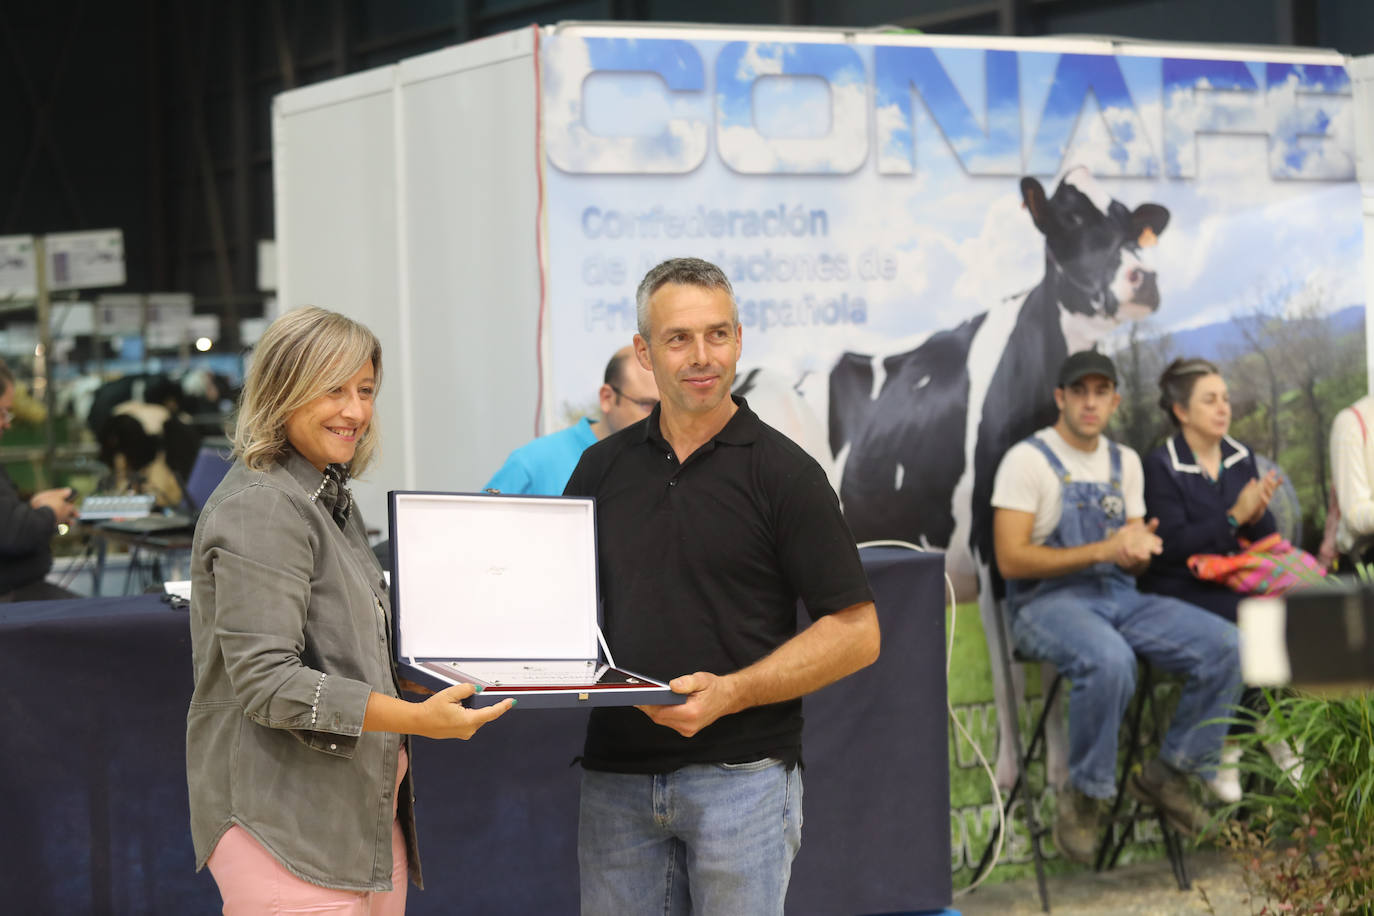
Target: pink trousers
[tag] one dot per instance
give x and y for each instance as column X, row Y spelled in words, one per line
column 252, row 882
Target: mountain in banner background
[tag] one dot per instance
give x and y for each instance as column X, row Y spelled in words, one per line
column 1217, row 342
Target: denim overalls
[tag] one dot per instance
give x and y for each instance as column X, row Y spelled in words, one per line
column 1091, row 623
column 1091, row 512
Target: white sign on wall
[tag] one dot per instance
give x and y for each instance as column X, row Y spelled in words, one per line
column 70, row 319
column 169, row 320
column 18, row 273
column 119, row 313
column 85, row 260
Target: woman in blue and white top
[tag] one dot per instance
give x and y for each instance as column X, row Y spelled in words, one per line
column 1203, row 486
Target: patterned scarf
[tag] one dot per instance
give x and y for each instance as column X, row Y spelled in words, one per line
column 335, row 496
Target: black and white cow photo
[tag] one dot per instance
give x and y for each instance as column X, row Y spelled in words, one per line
column 917, row 436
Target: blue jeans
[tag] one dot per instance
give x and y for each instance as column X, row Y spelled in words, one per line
column 1091, row 631
column 705, row 839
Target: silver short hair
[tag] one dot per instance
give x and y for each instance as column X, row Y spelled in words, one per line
column 684, row 271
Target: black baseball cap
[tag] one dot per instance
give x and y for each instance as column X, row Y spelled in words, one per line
column 1084, row 363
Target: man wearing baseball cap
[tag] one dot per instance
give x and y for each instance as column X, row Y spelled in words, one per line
column 1070, row 537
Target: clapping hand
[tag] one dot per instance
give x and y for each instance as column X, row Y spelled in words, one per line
column 1254, row 498
column 1135, row 542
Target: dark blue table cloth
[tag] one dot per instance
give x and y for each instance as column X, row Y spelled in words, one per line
column 93, row 777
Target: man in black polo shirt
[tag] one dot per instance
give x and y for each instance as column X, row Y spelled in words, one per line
column 711, row 525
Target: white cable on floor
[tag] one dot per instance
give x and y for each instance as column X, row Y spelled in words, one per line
column 959, row 726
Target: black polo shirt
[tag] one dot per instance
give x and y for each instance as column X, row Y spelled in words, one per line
column 701, row 566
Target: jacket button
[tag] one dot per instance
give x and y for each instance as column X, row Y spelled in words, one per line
column 333, row 747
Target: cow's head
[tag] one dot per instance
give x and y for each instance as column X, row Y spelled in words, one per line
column 1094, row 247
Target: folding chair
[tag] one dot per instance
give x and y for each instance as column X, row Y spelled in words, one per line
column 1112, row 841
column 1109, row 850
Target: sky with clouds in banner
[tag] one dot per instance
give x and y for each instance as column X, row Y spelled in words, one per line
column 921, row 188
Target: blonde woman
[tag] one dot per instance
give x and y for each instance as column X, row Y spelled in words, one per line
column 296, row 753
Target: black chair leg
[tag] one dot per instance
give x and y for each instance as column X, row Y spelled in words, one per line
column 133, row 565
column 1173, row 840
column 1024, row 762
column 1173, row 847
column 1109, row 849
column 1112, row 846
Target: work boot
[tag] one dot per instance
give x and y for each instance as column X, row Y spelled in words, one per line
column 1160, row 785
column 1077, row 824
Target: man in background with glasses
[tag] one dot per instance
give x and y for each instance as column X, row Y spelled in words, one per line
column 544, row 465
column 27, row 527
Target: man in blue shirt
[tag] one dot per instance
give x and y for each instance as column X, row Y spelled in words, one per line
column 543, row 466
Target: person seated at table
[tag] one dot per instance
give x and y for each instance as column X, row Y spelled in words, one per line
column 1070, row 537
column 296, row 747
column 27, row 526
column 1351, row 517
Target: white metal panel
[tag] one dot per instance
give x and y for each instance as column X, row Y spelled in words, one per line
column 336, row 236
column 473, row 55
column 343, row 90
column 469, row 222
column 1361, row 71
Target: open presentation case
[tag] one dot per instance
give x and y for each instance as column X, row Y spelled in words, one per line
column 501, row 592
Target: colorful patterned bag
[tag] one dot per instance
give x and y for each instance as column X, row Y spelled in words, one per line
column 1269, row 566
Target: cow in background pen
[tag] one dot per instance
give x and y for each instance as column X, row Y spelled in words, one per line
column 918, row 435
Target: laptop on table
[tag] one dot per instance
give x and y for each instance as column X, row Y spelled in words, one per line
column 209, row 469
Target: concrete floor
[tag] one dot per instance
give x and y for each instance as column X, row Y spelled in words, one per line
column 1145, row 889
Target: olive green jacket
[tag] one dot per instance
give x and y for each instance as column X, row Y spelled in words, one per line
column 290, row 634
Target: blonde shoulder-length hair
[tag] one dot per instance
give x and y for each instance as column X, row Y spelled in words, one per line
column 304, row 354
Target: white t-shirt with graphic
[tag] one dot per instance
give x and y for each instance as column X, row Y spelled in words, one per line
column 1026, row 482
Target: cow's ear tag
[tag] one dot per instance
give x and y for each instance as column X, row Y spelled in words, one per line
column 1147, row 237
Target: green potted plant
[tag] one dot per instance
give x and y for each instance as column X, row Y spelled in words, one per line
column 1306, row 840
